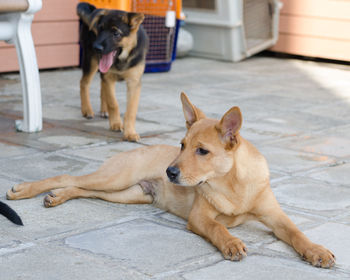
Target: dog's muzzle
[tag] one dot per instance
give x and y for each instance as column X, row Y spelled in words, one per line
column 98, row 47
column 173, row 174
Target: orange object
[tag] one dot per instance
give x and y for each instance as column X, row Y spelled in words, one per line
column 154, row 7
column 124, row 5
column 179, row 14
column 150, row 7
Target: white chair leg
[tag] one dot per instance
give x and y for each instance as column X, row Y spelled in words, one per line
column 32, row 111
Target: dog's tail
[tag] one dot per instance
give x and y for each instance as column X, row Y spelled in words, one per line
column 10, row 214
column 84, row 11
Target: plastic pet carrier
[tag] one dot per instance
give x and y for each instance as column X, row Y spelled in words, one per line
column 231, row 29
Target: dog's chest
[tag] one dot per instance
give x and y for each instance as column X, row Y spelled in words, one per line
column 119, row 69
column 123, row 55
column 224, row 203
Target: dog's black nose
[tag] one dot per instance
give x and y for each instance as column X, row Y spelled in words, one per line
column 173, row 173
column 98, row 47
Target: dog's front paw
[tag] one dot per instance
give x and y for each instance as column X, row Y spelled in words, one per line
column 104, row 114
column 87, row 112
column 116, row 126
column 131, row 137
column 319, row 256
column 234, row 249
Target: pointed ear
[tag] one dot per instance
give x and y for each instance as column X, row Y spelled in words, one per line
column 135, row 19
column 95, row 17
column 229, row 125
column 191, row 112
column 84, row 11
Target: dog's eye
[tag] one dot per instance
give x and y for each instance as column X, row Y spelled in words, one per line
column 116, row 34
column 182, row 146
column 201, row 151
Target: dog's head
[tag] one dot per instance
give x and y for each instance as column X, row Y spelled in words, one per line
column 115, row 31
column 208, row 147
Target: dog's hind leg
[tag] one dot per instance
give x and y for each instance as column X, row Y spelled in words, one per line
column 90, row 66
column 133, row 194
column 31, row 189
column 100, row 180
column 118, row 173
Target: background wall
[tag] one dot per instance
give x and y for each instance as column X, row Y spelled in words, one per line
column 316, row 28
column 55, row 32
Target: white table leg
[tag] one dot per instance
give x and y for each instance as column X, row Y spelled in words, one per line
column 32, row 111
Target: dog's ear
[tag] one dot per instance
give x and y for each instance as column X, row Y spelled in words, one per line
column 135, row 19
column 95, row 17
column 90, row 15
column 191, row 112
column 84, row 11
column 229, row 126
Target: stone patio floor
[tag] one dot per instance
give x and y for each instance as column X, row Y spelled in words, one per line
column 296, row 112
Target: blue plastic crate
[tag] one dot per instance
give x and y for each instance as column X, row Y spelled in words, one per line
column 162, row 45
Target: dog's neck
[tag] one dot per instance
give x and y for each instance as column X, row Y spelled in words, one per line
column 238, row 186
column 124, row 54
column 128, row 47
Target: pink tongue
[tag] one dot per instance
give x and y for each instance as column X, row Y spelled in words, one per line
column 106, row 61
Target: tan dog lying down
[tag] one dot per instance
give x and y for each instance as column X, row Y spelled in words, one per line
column 216, row 180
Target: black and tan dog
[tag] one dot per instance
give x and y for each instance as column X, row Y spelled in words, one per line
column 115, row 43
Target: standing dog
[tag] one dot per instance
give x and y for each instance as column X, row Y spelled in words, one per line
column 115, row 43
column 216, row 180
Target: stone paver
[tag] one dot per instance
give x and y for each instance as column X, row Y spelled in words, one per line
column 285, row 160
column 335, row 235
column 313, row 195
column 58, row 263
column 332, row 146
column 261, row 267
column 40, row 166
column 103, row 151
column 147, row 246
column 338, row 174
column 297, row 113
